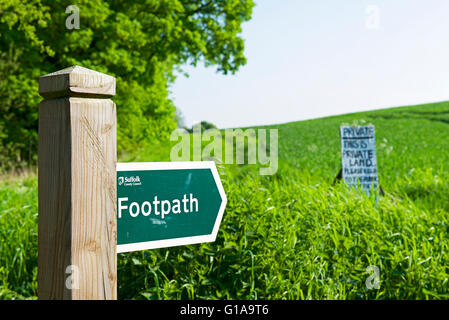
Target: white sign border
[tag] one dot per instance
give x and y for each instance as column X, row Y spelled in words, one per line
column 176, row 165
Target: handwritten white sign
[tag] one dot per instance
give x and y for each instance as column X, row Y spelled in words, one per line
column 358, row 155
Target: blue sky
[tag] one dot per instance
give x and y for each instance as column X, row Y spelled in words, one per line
column 309, row 59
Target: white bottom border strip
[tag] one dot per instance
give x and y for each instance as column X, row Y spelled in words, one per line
column 157, row 244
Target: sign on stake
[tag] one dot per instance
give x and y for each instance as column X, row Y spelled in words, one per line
column 358, row 155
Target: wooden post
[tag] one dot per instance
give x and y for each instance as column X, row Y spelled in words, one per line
column 77, row 231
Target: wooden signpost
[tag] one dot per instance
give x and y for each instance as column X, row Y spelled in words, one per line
column 77, row 186
column 158, row 205
column 358, row 155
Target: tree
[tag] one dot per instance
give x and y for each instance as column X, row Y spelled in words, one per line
column 141, row 43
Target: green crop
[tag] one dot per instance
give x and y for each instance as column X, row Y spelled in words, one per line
column 292, row 235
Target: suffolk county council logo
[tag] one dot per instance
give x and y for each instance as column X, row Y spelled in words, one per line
column 129, row 181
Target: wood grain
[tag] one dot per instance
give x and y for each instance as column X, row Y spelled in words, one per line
column 77, row 198
column 94, row 236
column 55, row 206
column 76, row 81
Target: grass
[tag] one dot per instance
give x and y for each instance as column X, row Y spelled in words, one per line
column 292, row 235
column 18, row 237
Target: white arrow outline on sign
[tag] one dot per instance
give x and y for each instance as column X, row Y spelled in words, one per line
column 147, row 166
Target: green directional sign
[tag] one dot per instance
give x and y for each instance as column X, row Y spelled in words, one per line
column 164, row 204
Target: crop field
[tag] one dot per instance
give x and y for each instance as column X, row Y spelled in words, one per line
column 294, row 234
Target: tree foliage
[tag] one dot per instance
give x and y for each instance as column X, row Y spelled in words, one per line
column 140, row 42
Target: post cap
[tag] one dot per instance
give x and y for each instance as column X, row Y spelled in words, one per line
column 77, row 81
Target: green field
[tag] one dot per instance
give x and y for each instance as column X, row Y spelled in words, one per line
column 292, row 235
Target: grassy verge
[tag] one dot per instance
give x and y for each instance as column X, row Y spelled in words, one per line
column 18, row 236
column 292, row 235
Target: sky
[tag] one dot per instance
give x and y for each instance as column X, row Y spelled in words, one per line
column 315, row 58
